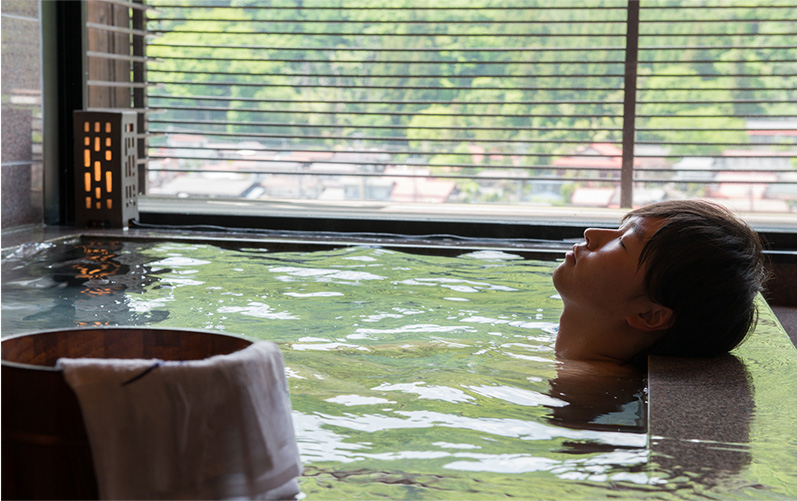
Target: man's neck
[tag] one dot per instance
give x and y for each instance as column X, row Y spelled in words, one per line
column 591, row 336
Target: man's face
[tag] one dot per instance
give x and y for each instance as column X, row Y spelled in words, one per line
column 601, row 277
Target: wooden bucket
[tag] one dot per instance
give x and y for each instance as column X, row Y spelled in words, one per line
column 45, row 449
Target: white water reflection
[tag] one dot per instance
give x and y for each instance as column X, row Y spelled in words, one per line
column 597, row 469
column 314, row 294
column 178, row 261
column 447, row 445
column 527, row 357
column 350, row 400
column 318, row 443
column 326, row 346
column 140, row 305
column 381, row 316
column 529, row 347
column 355, row 276
column 171, row 281
column 524, row 324
column 457, row 285
column 259, row 310
column 418, row 328
column 290, row 273
column 301, row 272
column 490, row 255
column 502, row 463
column 517, row 396
column 431, row 392
column 361, row 258
column 500, row 427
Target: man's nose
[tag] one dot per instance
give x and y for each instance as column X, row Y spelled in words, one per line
column 596, row 237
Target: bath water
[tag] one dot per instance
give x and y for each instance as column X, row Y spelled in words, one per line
column 411, row 376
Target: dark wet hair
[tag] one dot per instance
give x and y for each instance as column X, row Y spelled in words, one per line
column 707, row 265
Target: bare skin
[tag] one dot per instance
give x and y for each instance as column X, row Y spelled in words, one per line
column 607, row 315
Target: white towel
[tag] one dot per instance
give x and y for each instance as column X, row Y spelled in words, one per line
column 218, row 428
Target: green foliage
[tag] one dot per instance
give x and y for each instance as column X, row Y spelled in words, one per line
column 329, row 89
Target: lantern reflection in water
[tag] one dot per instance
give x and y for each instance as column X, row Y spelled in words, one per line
column 108, row 278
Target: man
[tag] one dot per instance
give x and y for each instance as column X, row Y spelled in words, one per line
column 676, row 278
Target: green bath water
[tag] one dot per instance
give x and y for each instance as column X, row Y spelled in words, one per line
column 412, row 376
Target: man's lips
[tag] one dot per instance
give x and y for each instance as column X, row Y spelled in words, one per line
column 573, row 253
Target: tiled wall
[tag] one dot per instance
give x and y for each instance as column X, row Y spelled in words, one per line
column 21, row 162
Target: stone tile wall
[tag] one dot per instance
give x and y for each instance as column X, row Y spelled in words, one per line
column 21, row 159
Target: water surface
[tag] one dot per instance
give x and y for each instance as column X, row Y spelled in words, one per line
column 412, row 376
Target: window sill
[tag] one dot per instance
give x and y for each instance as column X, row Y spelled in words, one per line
column 507, row 222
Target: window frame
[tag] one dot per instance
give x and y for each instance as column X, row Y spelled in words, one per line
column 562, row 224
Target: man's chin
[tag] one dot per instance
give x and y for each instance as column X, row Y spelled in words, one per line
column 555, row 276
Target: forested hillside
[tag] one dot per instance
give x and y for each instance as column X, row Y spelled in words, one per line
column 460, row 87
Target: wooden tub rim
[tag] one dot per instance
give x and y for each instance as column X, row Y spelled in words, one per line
column 49, row 368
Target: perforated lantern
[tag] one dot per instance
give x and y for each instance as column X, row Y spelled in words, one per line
column 106, row 172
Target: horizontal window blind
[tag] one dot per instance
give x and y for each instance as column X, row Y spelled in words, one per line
column 115, row 65
column 601, row 103
column 716, row 111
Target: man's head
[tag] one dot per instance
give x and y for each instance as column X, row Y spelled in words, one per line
column 677, row 278
column 706, row 265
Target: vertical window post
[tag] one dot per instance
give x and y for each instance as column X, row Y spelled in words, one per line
column 629, row 104
column 139, row 49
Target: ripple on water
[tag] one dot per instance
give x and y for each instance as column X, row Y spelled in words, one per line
column 403, row 364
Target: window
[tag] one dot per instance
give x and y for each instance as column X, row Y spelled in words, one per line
column 115, row 63
column 596, row 104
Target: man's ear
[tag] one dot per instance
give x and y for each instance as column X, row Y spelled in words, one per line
column 653, row 318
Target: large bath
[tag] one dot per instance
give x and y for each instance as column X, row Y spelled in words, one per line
column 428, row 373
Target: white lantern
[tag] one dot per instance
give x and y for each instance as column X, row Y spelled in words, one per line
column 106, row 169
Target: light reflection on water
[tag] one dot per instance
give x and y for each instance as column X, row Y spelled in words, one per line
column 410, row 375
